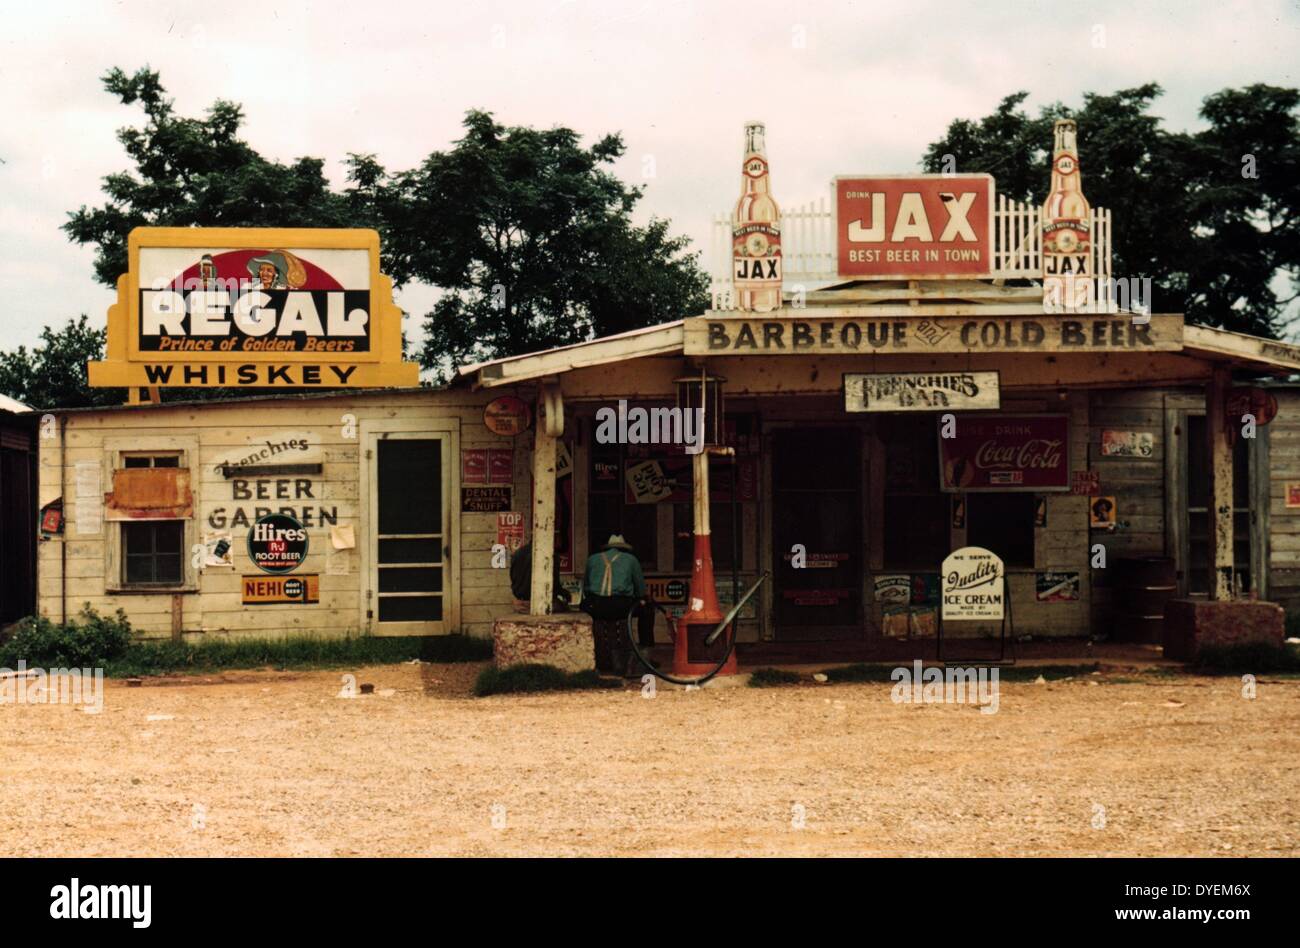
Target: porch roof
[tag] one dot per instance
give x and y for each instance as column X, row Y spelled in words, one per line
column 1239, row 351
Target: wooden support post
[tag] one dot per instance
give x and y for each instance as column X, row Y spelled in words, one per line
column 541, row 595
column 1220, row 467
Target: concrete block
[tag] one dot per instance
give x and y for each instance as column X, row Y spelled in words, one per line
column 1194, row 624
column 563, row 640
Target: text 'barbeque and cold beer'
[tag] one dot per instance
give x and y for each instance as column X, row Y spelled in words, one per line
column 260, row 308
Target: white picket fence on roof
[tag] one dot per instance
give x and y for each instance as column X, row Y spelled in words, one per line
column 808, row 246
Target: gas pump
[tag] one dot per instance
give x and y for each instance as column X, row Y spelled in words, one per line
column 704, row 640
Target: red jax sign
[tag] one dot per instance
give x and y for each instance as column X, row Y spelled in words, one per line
column 914, row 226
column 257, row 308
column 1006, row 453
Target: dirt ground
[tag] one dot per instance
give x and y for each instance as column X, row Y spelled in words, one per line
column 266, row 763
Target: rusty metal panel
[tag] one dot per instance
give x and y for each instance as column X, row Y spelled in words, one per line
column 150, row 493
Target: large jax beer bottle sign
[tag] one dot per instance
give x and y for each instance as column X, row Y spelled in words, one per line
column 277, row 544
column 756, row 231
column 1067, row 228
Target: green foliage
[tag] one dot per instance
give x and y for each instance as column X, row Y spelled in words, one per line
column 198, row 172
column 157, row 658
column 772, row 678
column 534, row 243
column 1248, row 658
column 53, row 375
column 534, row 677
column 90, row 642
column 1187, row 214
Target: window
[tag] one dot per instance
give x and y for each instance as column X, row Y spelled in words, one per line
column 151, row 460
column 1002, row 523
column 151, row 552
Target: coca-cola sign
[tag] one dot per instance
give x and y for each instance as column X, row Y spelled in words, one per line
column 1005, row 453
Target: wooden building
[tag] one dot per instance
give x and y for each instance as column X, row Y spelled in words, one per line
column 18, row 431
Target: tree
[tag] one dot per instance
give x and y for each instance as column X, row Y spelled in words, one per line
column 531, row 239
column 1210, row 217
column 198, row 173
column 53, row 375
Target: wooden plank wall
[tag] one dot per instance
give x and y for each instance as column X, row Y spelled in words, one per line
column 1283, row 523
column 226, row 431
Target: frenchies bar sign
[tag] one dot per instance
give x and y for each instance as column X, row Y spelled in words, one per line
column 1006, row 453
column 252, row 307
column 914, row 226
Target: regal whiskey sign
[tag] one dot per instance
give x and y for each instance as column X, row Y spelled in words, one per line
column 256, row 308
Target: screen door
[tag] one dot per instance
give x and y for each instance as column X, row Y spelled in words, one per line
column 410, row 536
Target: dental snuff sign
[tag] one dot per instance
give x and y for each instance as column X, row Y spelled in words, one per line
column 914, row 226
column 253, row 308
column 972, row 584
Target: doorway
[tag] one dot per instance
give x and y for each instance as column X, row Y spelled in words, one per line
column 411, row 541
column 817, row 533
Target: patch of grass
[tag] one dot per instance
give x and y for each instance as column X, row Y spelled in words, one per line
column 1250, row 658
column 159, row 658
column 773, row 678
column 528, row 678
column 1049, row 672
column 859, row 672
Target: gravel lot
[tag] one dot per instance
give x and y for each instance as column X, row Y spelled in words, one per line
column 267, row 763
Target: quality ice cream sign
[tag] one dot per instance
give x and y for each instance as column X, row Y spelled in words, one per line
column 973, row 584
column 257, row 308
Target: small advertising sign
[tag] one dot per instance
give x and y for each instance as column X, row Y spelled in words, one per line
column 906, row 227
column 973, row 586
column 1127, row 444
column 277, row 543
column 1293, row 494
column 484, row 499
column 893, row 589
column 271, row 590
column 1056, row 587
column 1085, row 483
column 1102, row 514
column 1006, row 453
column 500, row 466
column 474, row 466
column 510, row 530
column 921, row 391
column 507, row 415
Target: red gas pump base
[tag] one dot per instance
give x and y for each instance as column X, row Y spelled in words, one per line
column 692, row 658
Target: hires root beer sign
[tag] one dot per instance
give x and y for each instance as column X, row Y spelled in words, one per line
column 253, row 307
column 1006, row 453
column 914, row 226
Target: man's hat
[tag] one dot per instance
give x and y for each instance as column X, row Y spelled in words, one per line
column 616, row 542
column 274, row 259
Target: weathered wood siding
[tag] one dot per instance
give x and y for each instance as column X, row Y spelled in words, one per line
column 213, row 433
column 1282, row 522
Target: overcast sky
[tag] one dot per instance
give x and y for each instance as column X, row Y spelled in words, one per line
column 844, row 87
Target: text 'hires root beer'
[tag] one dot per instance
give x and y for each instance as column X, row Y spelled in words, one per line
column 277, row 544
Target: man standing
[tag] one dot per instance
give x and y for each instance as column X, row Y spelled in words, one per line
column 611, row 586
column 521, row 581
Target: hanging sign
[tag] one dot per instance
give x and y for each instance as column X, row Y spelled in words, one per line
column 906, row 227
column 277, row 543
column 921, row 391
column 1006, row 453
column 973, row 584
column 484, row 499
column 507, row 415
column 253, row 308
